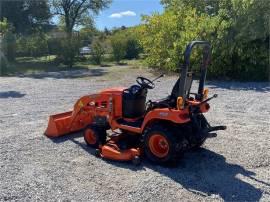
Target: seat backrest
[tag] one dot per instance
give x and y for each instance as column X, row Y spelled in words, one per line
column 175, row 90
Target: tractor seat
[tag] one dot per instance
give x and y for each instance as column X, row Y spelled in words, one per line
column 133, row 102
column 170, row 101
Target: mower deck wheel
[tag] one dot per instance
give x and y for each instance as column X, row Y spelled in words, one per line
column 98, row 153
column 136, row 161
column 94, row 136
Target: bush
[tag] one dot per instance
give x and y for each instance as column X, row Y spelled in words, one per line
column 9, row 44
column 35, row 45
column 132, row 48
column 97, row 52
column 3, row 64
column 54, row 46
column 118, row 47
column 69, row 49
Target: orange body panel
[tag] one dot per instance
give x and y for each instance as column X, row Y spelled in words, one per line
column 173, row 115
column 176, row 116
column 112, row 153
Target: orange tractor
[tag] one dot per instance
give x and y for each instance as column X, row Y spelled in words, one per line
column 161, row 129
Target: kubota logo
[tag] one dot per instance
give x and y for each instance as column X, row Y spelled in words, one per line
column 163, row 114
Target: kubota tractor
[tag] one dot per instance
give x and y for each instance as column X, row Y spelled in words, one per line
column 161, row 129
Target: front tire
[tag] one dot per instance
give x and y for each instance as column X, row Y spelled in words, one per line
column 161, row 145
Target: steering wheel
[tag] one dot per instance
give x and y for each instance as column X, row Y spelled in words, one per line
column 144, row 82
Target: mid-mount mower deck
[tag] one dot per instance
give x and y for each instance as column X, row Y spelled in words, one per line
column 162, row 129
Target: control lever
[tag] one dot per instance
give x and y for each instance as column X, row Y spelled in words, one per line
column 193, row 108
column 214, row 96
column 162, row 75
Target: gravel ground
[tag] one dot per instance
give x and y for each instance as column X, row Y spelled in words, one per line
column 235, row 166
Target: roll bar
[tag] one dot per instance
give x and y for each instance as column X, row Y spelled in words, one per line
column 203, row 68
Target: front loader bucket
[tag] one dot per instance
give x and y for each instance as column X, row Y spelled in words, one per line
column 72, row 121
column 59, row 124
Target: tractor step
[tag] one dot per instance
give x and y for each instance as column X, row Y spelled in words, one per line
column 136, row 124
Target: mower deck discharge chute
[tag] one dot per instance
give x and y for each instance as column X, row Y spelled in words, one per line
column 161, row 129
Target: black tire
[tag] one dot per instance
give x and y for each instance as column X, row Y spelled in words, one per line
column 199, row 142
column 94, row 136
column 173, row 153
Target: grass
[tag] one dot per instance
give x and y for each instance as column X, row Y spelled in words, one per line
column 29, row 65
column 25, row 65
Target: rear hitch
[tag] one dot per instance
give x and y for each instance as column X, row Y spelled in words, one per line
column 207, row 132
column 211, row 135
column 215, row 128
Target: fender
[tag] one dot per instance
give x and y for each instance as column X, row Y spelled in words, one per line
column 173, row 115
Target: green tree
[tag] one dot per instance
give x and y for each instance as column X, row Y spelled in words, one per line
column 77, row 12
column 25, row 15
column 4, row 26
column 164, row 37
column 69, row 49
column 3, row 60
column 34, row 45
column 127, row 41
column 8, row 40
column 239, row 35
column 87, row 34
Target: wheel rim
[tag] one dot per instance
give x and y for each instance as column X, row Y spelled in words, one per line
column 159, row 145
column 90, row 136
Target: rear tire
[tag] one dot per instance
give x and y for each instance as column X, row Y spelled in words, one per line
column 199, row 142
column 94, row 136
column 160, row 145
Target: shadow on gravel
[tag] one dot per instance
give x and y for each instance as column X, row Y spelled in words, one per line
column 72, row 137
column 202, row 172
column 256, row 86
column 11, row 94
column 207, row 173
column 71, row 74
